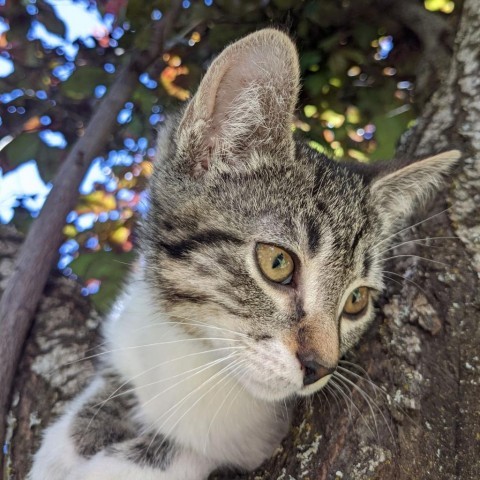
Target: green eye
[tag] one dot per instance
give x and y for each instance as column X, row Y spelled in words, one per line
column 275, row 263
column 357, row 301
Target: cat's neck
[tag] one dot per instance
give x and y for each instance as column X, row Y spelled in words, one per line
column 187, row 389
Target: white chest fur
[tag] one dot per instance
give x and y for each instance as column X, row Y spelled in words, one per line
column 187, row 388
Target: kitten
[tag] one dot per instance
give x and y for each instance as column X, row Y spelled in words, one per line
column 260, row 260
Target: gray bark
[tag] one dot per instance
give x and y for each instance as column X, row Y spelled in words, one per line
column 422, row 417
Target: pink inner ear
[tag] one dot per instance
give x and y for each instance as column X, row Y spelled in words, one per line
column 244, row 102
column 236, row 78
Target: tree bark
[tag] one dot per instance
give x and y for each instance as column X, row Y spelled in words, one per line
column 413, row 412
column 24, row 288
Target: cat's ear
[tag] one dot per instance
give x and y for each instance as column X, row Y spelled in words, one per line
column 244, row 103
column 399, row 193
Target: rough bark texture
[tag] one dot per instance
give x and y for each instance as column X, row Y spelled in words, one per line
column 420, row 416
column 50, row 373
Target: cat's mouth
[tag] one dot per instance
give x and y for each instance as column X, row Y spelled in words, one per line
column 278, row 380
column 281, row 388
column 314, row 387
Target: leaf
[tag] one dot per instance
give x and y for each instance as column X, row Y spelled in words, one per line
column 145, row 98
column 109, row 267
column 307, row 59
column 388, row 132
column 97, row 202
column 83, row 82
column 24, row 147
column 47, row 16
column 314, row 83
column 168, row 77
column 32, row 124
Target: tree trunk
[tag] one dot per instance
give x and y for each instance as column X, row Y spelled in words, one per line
column 414, row 411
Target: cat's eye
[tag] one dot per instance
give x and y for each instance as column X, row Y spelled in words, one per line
column 275, row 263
column 357, row 301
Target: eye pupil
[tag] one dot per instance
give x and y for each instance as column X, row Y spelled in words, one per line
column 279, row 261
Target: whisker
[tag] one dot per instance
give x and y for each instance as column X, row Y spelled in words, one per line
column 393, row 280
column 370, row 383
column 176, row 406
column 201, row 369
column 406, row 279
column 134, row 347
column 364, row 419
column 130, row 264
column 235, row 383
column 241, row 389
column 376, row 388
column 335, row 397
column 198, row 322
column 325, row 396
column 348, row 401
column 416, row 240
column 416, row 256
column 168, row 378
column 150, row 325
column 341, row 378
column 368, row 399
column 411, row 226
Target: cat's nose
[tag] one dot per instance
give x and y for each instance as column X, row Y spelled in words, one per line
column 313, row 371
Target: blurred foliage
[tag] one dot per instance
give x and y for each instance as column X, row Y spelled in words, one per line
column 358, row 68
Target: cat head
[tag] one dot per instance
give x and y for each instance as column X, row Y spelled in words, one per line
column 257, row 241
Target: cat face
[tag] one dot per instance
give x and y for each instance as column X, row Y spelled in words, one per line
column 261, row 244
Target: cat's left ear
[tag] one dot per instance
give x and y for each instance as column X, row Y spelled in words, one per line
column 244, row 103
column 399, row 193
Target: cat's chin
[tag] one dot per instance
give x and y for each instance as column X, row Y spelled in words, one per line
column 314, row 387
column 268, row 393
column 271, row 394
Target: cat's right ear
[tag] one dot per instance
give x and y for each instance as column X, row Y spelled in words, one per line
column 244, row 103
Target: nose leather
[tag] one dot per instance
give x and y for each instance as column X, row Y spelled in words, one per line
column 313, row 371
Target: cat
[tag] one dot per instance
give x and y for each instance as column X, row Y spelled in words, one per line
column 260, row 261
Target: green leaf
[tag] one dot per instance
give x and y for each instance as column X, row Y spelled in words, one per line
column 22, row 148
column 145, row 98
column 83, row 82
column 387, row 134
column 314, row 83
column 307, row 59
column 108, row 267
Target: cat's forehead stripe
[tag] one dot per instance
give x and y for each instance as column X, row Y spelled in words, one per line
column 181, row 248
column 313, row 234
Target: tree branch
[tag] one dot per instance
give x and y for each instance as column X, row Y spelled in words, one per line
column 434, row 33
column 25, row 287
